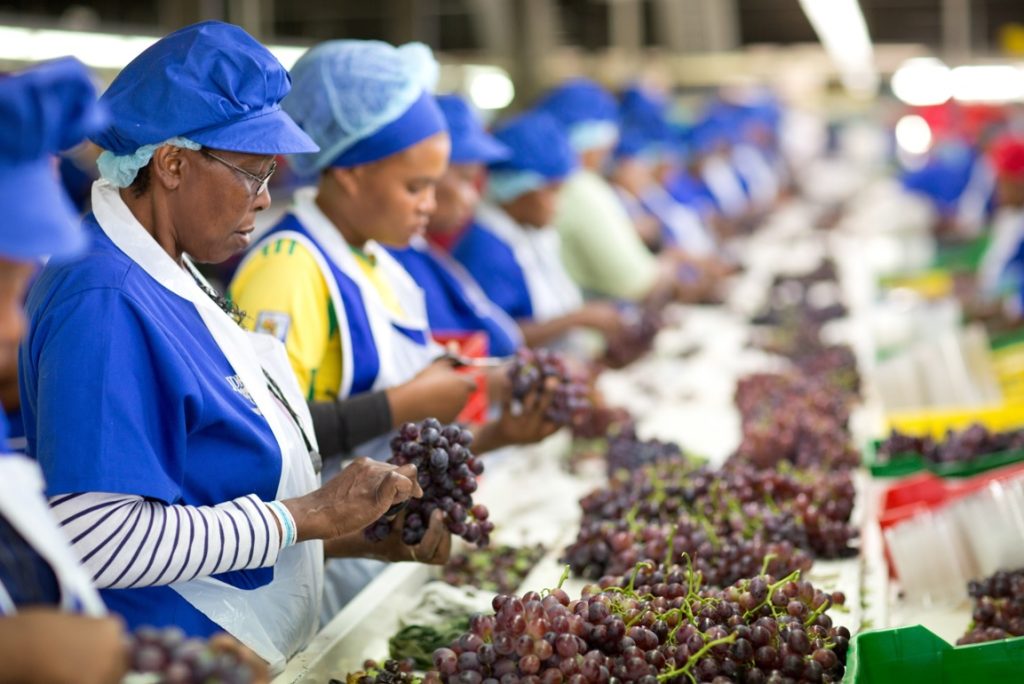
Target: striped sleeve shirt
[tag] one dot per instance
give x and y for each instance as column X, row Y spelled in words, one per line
column 127, row 541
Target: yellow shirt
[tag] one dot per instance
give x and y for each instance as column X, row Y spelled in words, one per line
column 283, row 292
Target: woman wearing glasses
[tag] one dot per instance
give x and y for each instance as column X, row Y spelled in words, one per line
column 178, row 451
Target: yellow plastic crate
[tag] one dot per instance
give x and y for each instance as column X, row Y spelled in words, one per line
column 932, row 284
column 935, row 422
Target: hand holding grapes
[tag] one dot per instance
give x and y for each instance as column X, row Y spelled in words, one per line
column 525, row 421
column 433, row 549
column 90, row 650
column 227, row 644
column 602, row 316
column 360, row 494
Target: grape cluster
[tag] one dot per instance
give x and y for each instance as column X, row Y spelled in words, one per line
column 835, row 365
column 601, row 421
column 447, row 472
column 391, row 672
column 626, row 451
column 998, row 608
column 636, row 338
column 727, row 520
column 794, row 418
column 180, row 660
column 529, row 373
column 659, row 625
column 498, row 568
column 958, row 446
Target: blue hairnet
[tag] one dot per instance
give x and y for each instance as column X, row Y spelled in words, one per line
column 345, row 91
column 122, row 169
column 211, row 83
column 586, row 111
column 45, row 110
column 538, row 144
column 470, row 142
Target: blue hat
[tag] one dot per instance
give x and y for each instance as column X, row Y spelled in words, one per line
column 587, row 112
column 540, row 155
column 45, row 110
column 211, row 83
column 470, row 142
column 644, row 123
column 363, row 100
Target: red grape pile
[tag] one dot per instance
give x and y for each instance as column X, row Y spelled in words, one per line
column 659, row 625
column 640, row 328
column 726, row 520
column 601, row 421
column 447, row 473
column 529, row 373
column 958, row 446
column 794, row 418
column 998, row 608
column 179, row 660
column 498, row 568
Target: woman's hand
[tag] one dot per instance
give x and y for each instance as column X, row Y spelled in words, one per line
column 433, row 549
column 225, row 643
column 51, row 647
column 527, row 426
column 353, row 499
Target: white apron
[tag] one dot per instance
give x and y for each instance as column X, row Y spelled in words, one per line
column 723, row 184
column 553, row 293
column 278, row 619
column 23, row 504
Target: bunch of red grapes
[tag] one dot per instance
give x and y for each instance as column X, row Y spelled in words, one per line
column 180, row 660
column 447, row 472
column 657, row 625
column 796, row 419
column 531, row 371
column 998, row 608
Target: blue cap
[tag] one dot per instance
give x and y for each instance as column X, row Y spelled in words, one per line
column 644, row 123
column 211, row 83
column 471, row 144
column 45, row 110
column 536, row 143
column 587, row 112
column 363, row 100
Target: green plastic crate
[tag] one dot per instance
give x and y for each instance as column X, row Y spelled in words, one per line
column 915, row 655
column 963, row 257
column 901, row 465
column 898, row 465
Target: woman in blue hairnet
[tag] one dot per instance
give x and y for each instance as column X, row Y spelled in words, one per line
column 510, row 247
column 178, row 453
column 456, row 305
column 353, row 320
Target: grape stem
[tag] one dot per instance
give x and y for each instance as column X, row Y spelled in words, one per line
column 685, row 669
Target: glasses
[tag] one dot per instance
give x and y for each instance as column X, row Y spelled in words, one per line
column 260, row 181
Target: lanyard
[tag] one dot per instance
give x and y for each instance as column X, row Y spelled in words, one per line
column 314, row 455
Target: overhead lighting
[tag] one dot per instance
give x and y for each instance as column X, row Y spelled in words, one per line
column 913, row 135
column 97, row 50
column 843, row 33
column 489, row 87
column 922, row 82
column 994, row 83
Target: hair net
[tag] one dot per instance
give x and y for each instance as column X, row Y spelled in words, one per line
column 505, row 186
column 344, row 91
column 122, row 169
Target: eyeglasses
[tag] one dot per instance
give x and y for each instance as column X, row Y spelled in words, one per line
column 260, row 181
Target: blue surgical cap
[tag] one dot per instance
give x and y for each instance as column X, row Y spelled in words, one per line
column 540, row 154
column 471, row 144
column 363, row 100
column 586, row 111
column 45, row 110
column 644, row 124
column 211, row 83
